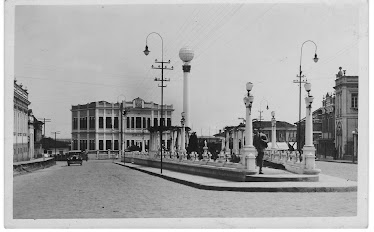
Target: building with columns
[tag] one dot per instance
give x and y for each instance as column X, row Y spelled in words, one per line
column 233, row 137
column 102, row 126
column 346, row 113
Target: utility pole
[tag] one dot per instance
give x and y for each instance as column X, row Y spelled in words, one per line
column 300, row 81
column 45, row 120
column 56, row 132
column 162, row 79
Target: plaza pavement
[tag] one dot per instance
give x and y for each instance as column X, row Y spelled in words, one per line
column 325, row 184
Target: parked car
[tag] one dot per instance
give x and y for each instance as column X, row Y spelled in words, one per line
column 75, row 157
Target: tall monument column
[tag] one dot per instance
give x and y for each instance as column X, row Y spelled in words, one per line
column 249, row 150
column 186, row 54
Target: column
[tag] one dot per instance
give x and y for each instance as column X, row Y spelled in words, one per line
column 308, row 162
column 273, row 131
column 186, row 93
column 227, row 143
column 172, row 141
column 79, row 129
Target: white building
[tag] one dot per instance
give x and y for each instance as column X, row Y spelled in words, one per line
column 102, row 126
column 20, row 126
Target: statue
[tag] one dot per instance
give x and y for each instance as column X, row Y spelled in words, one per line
column 205, row 144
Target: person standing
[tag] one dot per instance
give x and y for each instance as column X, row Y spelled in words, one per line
column 260, row 142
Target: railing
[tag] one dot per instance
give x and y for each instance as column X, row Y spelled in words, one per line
column 283, row 157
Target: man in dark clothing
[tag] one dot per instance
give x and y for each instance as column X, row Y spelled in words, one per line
column 260, row 142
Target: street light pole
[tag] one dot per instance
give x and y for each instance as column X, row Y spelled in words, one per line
column 300, row 82
column 260, row 111
column 146, row 52
column 56, row 132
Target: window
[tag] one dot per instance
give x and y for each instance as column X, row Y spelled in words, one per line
column 354, row 100
column 128, row 122
column 155, row 122
column 92, row 144
column 132, row 122
column 83, row 123
column 101, row 122
column 92, row 122
column 75, row 123
column 144, row 123
column 108, row 122
column 101, row 144
column 169, row 122
column 75, row 144
column 148, row 122
column 127, row 143
column 116, row 122
column 138, row 122
column 108, row 145
column 116, row 145
column 132, row 143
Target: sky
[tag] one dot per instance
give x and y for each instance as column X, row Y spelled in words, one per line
column 75, row 54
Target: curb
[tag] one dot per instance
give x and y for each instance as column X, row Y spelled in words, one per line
column 247, row 189
column 339, row 162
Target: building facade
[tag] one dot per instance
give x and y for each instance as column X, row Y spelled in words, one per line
column 326, row 144
column 21, row 124
column 317, row 128
column 233, row 137
column 346, row 114
column 103, row 126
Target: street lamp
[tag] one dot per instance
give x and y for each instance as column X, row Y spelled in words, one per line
column 260, row 111
column 162, row 67
column 315, row 59
column 248, row 159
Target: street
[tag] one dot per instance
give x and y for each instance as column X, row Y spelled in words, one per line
column 102, row 189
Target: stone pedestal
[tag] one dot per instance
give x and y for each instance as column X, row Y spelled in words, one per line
column 205, row 154
column 310, row 163
column 250, row 153
column 222, row 157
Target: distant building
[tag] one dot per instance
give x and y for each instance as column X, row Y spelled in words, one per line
column 102, row 126
column 21, row 123
column 233, row 137
column 346, row 113
column 325, row 145
column 317, row 128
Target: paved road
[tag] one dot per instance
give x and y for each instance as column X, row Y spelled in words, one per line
column 101, row 189
column 342, row 170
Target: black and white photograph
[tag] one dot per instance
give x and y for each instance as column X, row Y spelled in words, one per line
column 186, row 114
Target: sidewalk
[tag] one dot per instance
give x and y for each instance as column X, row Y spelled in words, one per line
column 32, row 161
column 325, row 184
column 336, row 161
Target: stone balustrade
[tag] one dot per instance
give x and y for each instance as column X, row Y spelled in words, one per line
column 181, row 157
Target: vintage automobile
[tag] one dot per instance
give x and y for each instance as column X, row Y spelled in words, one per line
column 75, row 157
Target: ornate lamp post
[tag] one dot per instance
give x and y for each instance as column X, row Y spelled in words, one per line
column 162, row 67
column 315, row 59
column 249, row 156
column 309, row 149
column 186, row 54
column 273, row 130
column 261, row 111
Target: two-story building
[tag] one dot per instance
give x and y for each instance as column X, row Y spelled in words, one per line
column 21, row 123
column 103, row 126
column 346, row 113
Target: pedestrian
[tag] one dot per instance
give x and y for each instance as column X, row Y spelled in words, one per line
column 260, row 142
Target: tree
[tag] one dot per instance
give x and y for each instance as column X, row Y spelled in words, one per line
column 193, row 143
